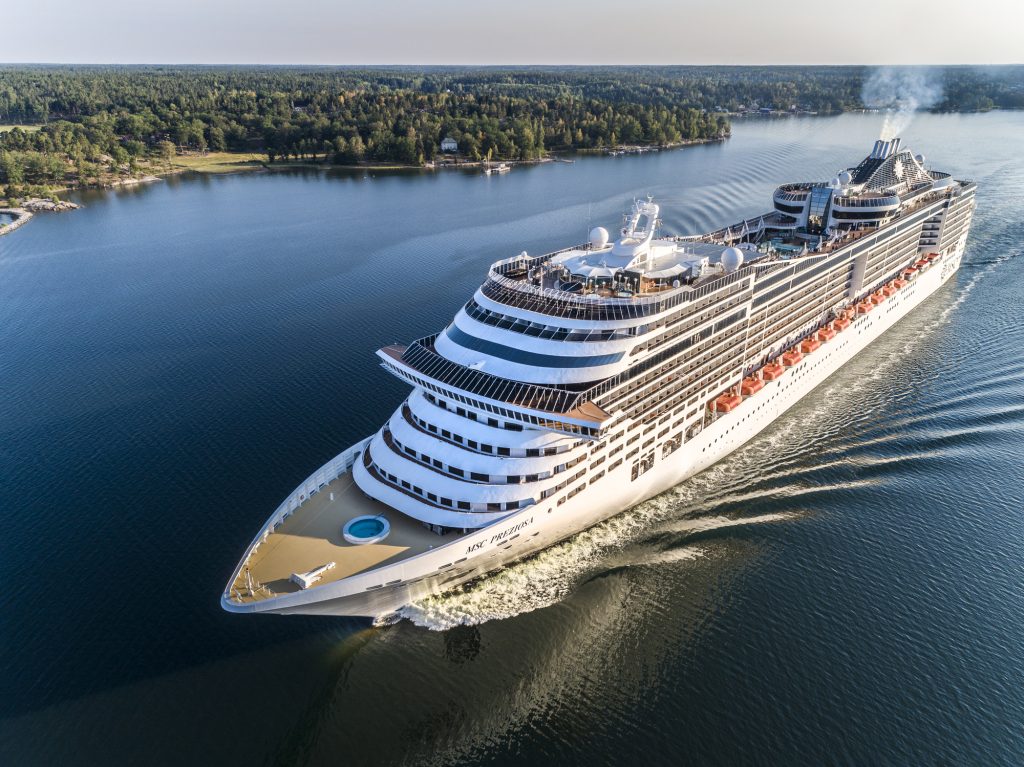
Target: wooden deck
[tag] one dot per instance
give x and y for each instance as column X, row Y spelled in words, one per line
column 312, row 536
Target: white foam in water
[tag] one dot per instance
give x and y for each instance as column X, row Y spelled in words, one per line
column 550, row 576
column 966, row 290
column 704, row 524
column 530, row 585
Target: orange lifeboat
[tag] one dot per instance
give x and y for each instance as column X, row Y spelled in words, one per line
column 898, row 283
column 888, row 291
column 827, row 333
column 842, row 323
column 751, row 385
column 791, row 358
column 864, row 307
column 772, row 370
column 728, row 401
column 921, row 264
column 809, row 345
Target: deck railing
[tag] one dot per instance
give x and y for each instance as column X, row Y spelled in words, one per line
column 327, row 473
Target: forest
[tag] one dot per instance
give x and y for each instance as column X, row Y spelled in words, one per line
column 93, row 124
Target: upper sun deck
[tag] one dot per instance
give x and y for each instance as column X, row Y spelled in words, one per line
column 641, row 274
column 592, row 282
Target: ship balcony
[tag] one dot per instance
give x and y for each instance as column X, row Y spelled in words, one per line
column 487, row 468
column 423, row 413
column 460, row 465
column 867, row 200
column 496, row 488
column 561, row 410
column 418, row 495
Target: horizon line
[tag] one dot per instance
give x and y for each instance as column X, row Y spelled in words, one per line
column 485, row 66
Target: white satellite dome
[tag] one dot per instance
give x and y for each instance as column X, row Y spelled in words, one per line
column 834, row 183
column 598, row 237
column 732, row 259
column 845, row 178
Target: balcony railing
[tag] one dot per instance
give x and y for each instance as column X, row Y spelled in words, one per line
column 420, row 356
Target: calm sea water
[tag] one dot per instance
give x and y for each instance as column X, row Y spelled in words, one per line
column 175, row 358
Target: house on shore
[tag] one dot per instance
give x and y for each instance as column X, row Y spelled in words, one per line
column 448, row 144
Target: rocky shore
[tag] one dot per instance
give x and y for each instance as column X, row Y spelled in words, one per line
column 29, row 208
column 20, row 217
column 38, row 204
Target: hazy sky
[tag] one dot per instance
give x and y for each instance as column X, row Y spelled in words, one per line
column 513, row 31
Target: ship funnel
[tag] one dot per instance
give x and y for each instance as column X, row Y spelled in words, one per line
column 884, row 149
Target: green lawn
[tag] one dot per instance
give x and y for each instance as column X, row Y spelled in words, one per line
column 4, row 128
column 219, row 162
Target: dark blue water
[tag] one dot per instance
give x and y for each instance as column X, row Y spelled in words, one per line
column 175, row 358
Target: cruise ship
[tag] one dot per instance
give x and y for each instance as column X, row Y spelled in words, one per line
column 576, row 384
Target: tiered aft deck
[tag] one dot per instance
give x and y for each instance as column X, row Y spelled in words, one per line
column 312, row 537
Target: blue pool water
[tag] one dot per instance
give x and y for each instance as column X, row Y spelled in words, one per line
column 366, row 528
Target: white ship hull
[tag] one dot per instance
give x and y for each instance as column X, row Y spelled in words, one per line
column 388, row 587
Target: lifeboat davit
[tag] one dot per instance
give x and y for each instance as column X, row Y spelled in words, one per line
column 809, row 345
column 728, row 401
column 791, row 358
column 772, row 370
column 864, row 307
column 828, row 333
column 751, row 385
column 842, row 323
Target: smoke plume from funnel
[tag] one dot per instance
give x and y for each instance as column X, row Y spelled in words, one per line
column 900, row 92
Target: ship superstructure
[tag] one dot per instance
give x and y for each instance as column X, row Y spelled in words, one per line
column 575, row 384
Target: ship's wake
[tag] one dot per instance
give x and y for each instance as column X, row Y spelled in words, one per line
column 986, row 267
column 622, row 542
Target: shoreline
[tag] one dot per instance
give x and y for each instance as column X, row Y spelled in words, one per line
column 224, row 163
column 556, row 156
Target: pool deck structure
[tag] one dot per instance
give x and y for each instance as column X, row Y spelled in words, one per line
column 312, row 537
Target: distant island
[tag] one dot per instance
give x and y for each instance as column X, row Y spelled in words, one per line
column 64, row 127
